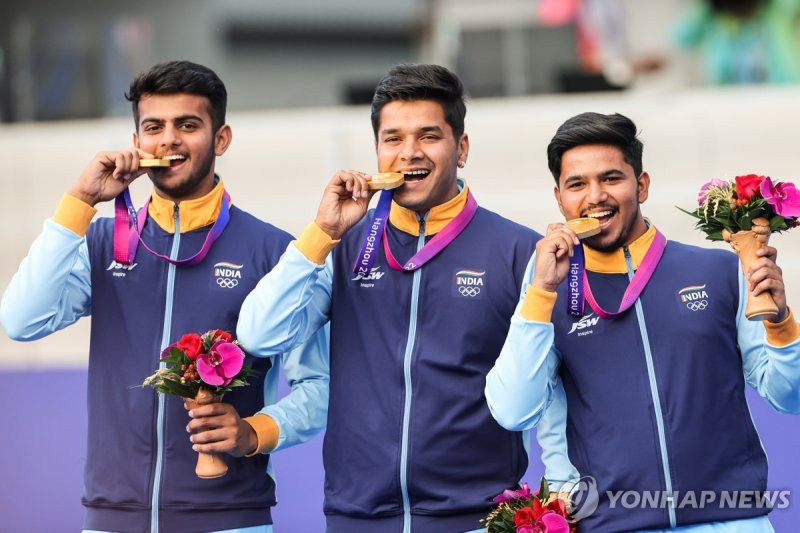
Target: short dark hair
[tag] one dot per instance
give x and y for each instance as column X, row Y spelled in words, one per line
column 414, row 81
column 181, row 77
column 595, row 128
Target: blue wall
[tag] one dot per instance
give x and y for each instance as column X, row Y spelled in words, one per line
column 42, row 451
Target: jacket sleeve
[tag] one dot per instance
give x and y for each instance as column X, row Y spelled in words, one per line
column 287, row 306
column 551, row 434
column 303, row 412
column 520, row 385
column 51, row 289
column 770, row 356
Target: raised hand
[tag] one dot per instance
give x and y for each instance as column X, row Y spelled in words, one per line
column 107, row 175
column 552, row 256
column 344, row 202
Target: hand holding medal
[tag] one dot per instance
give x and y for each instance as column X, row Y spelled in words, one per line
column 346, row 199
column 555, row 250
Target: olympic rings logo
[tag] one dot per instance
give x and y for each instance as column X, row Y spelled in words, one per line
column 469, row 291
column 697, row 305
column 227, row 283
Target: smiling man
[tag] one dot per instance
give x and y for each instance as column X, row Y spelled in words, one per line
column 139, row 473
column 410, row 444
column 637, row 390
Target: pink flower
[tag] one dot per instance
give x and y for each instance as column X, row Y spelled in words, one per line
column 701, row 197
column 221, row 364
column 549, row 522
column 553, row 523
column 509, row 495
column 783, row 197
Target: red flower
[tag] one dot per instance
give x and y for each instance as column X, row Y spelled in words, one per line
column 558, row 506
column 220, row 335
column 747, row 186
column 525, row 516
column 192, row 344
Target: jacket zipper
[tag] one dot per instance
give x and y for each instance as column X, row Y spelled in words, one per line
column 412, row 333
column 657, row 409
column 173, row 254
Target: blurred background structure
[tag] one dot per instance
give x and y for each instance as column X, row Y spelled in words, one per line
column 299, row 76
column 73, row 60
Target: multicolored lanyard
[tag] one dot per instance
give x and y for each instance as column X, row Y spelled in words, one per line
column 578, row 283
column 376, row 231
column 128, row 226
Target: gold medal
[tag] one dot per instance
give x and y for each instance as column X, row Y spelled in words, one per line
column 153, row 163
column 386, row 180
column 584, row 227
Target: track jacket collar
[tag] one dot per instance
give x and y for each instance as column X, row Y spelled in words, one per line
column 194, row 214
column 437, row 218
column 614, row 262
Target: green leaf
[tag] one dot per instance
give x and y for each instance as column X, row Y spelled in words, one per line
column 544, row 490
column 778, row 223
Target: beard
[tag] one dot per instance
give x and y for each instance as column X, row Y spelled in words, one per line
column 608, row 243
column 186, row 187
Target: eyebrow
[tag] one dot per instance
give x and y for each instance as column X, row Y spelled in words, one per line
column 424, row 129
column 179, row 118
column 604, row 174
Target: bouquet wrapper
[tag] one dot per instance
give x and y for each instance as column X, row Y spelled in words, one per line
column 209, row 465
column 745, row 244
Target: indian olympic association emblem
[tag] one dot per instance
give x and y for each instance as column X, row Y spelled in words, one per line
column 469, row 284
column 693, row 299
column 227, row 275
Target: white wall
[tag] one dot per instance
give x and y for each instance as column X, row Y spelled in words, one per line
column 280, row 160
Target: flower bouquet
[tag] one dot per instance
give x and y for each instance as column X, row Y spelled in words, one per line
column 201, row 368
column 743, row 212
column 523, row 511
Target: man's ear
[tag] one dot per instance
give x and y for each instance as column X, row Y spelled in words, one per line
column 222, row 139
column 557, row 194
column 463, row 149
column 643, row 185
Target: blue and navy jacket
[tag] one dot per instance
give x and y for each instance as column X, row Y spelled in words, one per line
column 152, row 434
column 139, row 473
column 655, row 399
column 410, row 443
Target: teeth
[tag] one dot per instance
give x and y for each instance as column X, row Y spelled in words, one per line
column 416, row 172
column 599, row 214
column 174, row 157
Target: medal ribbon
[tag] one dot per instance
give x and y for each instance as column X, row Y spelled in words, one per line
column 128, row 226
column 366, row 256
column 635, row 288
column 575, row 277
column 439, row 241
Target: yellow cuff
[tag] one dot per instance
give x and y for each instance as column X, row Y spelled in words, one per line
column 538, row 304
column 266, row 430
column 782, row 333
column 74, row 214
column 315, row 244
